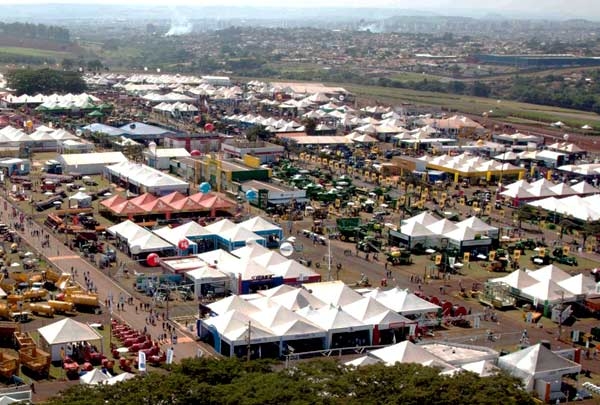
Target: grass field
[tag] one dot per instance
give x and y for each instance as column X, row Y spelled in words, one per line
column 501, row 109
column 42, row 53
column 477, row 105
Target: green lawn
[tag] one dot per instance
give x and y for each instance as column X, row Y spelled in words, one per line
column 503, row 109
column 42, row 53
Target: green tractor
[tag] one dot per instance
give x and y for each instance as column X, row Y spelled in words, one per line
column 369, row 244
column 561, row 258
column 399, row 257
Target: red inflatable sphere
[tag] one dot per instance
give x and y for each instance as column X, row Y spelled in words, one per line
column 209, row 127
column 152, row 259
column 195, row 152
column 183, row 244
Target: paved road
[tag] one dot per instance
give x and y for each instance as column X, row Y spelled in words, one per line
column 65, row 260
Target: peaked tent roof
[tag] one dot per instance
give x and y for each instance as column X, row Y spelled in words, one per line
column 68, row 330
column 484, row 368
column 297, row 299
column 462, row 234
column 291, row 269
column 584, row 187
column 579, row 285
column 220, row 226
column 334, row 319
column 333, row 292
column 233, row 302
column 403, row 301
column 407, row 352
column 517, row 279
column 94, row 377
column 415, row 229
column 550, row 272
column 237, row 326
column 548, row 290
column 259, row 224
column 424, row 218
column 537, row 359
column 476, row 224
column 442, row 226
column 562, row 189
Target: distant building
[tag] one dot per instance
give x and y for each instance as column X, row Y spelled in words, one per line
column 537, row 61
column 264, row 151
column 217, row 80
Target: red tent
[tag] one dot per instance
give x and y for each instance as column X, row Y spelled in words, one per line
column 113, row 201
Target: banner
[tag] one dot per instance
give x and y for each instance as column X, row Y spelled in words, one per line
column 438, row 259
column 517, row 254
column 492, row 256
column 141, row 361
column 566, row 250
column 466, row 257
column 170, row 353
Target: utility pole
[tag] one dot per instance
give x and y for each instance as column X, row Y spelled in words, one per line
column 248, row 354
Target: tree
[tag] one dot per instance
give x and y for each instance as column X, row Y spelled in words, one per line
column 45, row 81
column 310, row 125
column 257, row 133
column 95, row 65
column 233, row 381
column 68, row 63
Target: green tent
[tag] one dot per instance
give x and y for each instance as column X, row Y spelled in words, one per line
column 95, row 113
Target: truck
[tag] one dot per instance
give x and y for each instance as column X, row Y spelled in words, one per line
column 83, row 300
column 348, row 228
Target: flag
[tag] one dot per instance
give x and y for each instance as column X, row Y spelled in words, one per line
column 170, row 356
column 141, row 361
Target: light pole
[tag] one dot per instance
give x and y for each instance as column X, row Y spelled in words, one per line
column 560, row 313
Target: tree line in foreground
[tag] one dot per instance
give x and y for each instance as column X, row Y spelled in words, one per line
column 231, row 381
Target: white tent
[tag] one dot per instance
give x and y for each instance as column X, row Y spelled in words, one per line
column 424, row 218
column 483, row 368
column 94, row 377
column 291, row 270
column 584, row 188
column 537, row 362
column 549, row 291
column 416, row 232
column 287, row 324
column 442, row 227
column 550, row 272
column 371, row 312
column 64, row 332
column 296, row 299
column 579, row 285
column 334, row 320
column 207, row 275
column 333, row 292
column 120, row 378
column 479, row 226
column 232, row 303
column 83, row 200
column 562, row 189
column 407, row 352
column 148, row 243
column 403, row 301
column 518, row 279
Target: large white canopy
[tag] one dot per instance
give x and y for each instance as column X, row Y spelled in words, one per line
column 537, row 362
column 403, row 301
column 68, row 331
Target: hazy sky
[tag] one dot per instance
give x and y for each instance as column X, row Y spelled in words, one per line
column 568, row 9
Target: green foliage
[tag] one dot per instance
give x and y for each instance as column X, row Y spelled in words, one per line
column 37, row 31
column 232, row 381
column 257, row 133
column 45, row 81
column 9, row 57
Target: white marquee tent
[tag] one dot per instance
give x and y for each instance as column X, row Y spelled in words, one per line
column 66, row 331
